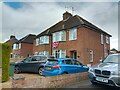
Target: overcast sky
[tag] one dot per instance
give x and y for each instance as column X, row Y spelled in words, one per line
column 33, row 17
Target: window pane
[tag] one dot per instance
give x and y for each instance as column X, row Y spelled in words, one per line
column 37, row 41
column 54, row 37
column 107, row 39
column 73, row 34
column 102, row 39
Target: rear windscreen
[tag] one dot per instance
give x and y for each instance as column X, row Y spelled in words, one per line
column 52, row 62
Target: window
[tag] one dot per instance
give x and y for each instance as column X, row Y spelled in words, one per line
column 91, row 55
column 37, row 41
column 68, row 62
column 59, row 53
column 73, row 34
column 107, row 39
column 59, row 36
column 102, row 39
column 77, row 63
column 44, row 53
column 19, row 45
column 15, row 46
column 44, row 40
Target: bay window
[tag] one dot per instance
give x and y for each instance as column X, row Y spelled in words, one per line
column 59, row 53
column 44, row 40
column 44, row 53
column 59, row 36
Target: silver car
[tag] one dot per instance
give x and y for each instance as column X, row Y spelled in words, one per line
column 106, row 72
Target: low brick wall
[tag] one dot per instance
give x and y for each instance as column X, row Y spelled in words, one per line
column 15, row 59
column 48, row 82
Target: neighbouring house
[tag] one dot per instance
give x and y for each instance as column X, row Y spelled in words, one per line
column 73, row 37
column 23, row 47
column 113, row 51
column 12, row 40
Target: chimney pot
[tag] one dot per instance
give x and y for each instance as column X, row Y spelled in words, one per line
column 66, row 15
column 11, row 37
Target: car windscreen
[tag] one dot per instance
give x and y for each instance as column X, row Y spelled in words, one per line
column 52, row 62
column 39, row 58
column 112, row 59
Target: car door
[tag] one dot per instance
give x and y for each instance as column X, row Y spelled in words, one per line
column 25, row 64
column 78, row 66
column 68, row 66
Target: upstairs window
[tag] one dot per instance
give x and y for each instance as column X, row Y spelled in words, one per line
column 59, row 36
column 107, row 39
column 19, row 45
column 37, row 41
column 73, row 34
column 102, row 39
column 15, row 46
column 44, row 40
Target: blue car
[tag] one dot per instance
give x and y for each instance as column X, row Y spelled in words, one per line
column 58, row 66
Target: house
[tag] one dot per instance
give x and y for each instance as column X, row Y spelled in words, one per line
column 12, row 40
column 23, row 47
column 73, row 37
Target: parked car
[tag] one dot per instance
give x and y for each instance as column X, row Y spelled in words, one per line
column 31, row 64
column 57, row 66
column 107, row 72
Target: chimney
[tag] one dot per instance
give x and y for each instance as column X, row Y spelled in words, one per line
column 66, row 15
column 11, row 37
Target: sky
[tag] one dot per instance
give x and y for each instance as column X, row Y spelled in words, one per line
column 21, row 18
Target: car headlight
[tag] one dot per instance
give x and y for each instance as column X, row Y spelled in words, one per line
column 115, row 72
column 91, row 70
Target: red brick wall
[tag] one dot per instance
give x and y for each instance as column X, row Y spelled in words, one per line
column 86, row 40
column 26, row 49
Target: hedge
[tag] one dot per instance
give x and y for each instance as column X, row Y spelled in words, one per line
column 6, row 49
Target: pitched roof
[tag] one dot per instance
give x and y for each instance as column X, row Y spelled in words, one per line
column 71, row 22
column 12, row 41
column 28, row 39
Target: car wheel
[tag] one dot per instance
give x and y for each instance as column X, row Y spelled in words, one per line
column 65, row 73
column 17, row 70
column 40, row 71
column 94, row 83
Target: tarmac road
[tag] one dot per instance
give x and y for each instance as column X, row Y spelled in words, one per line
column 86, row 84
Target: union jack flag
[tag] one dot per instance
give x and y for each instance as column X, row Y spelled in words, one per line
column 55, row 44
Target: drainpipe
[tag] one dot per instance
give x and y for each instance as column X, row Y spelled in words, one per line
column 50, row 44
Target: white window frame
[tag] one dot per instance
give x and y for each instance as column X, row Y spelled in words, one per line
column 60, row 53
column 102, row 39
column 44, row 40
column 59, row 36
column 107, row 39
column 15, row 46
column 73, row 34
column 19, row 45
column 44, row 53
column 91, row 56
column 37, row 41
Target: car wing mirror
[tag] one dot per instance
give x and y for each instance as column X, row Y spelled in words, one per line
column 100, row 61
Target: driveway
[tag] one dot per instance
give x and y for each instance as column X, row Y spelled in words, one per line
column 86, row 84
column 28, row 75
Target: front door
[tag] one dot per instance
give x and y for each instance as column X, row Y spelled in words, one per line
column 74, row 54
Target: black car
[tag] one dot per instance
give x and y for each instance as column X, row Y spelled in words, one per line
column 31, row 64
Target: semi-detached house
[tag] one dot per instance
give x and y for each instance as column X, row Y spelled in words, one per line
column 73, row 37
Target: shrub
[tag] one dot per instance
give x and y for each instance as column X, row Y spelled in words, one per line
column 6, row 49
